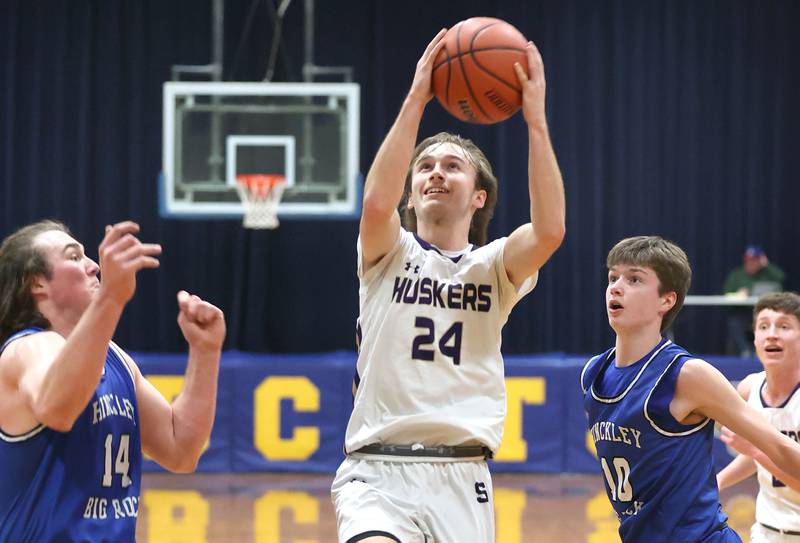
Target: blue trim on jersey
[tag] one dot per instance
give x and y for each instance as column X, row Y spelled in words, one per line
column 781, row 406
column 428, row 247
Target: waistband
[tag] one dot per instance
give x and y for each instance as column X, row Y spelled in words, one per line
column 784, row 532
column 419, row 450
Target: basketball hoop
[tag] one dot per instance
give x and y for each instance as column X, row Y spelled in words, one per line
column 260, row 194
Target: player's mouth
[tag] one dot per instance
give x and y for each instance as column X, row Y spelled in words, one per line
column 614, row 307
column 773, row 349
column 435, row 190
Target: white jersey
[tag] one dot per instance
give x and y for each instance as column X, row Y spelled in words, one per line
column 429, row 367
column 777, row 505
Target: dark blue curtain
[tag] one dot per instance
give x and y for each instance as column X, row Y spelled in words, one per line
column 677, row 118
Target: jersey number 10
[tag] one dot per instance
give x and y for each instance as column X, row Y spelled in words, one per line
column 621, row 490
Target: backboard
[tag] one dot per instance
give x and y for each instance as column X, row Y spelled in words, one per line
column 215, row 131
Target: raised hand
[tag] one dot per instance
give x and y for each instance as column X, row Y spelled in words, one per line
column 533, row 87
column 421, row 88
column 121, row 256
column 202, row 324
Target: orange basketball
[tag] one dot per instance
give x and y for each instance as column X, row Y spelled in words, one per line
column 473, row 75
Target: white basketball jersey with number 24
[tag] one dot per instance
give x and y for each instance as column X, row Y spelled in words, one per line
column 429, row 367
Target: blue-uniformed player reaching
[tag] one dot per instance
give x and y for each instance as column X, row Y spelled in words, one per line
column 651, row 406
column 75, row 411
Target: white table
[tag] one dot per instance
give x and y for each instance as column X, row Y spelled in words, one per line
column 719, row 299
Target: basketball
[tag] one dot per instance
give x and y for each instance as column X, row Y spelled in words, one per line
column 473, row 74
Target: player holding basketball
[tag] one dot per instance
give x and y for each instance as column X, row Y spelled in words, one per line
column 430, row 395
column 773, row 392
column 651, row 406
column 75, row 411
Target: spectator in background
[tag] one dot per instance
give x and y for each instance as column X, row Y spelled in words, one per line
column 756, row 276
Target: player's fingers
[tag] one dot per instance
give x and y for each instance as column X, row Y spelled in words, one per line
column 138, row 250
column 206, row 313
column 434, row 44
column 119, row 230
column 521, row 75
column 122, row 244
column 145, row 262
column 535, row 62
column 183, row 299
column 438, row 47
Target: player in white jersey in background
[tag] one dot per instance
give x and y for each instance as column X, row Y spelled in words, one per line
column 774, row 392
column 430, row 394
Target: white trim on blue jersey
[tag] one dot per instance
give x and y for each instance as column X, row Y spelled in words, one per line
column 22, row 437
column 632, row 383
column 655, row 426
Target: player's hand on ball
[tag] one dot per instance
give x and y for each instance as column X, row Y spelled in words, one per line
column 533, row 86
column 202, row 323
column 121, row 256
column 421, row 88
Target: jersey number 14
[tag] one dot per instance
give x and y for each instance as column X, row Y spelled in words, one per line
column 122, row 463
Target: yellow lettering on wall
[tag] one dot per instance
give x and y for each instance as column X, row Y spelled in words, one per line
column 267, row 511
column 267, row 418
column 590, row 446
column 508, row 508
column 601, row 516
column 175, row 516
column 519, row 391
column 169, row 386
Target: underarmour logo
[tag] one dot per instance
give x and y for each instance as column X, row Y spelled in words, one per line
column 408, row 267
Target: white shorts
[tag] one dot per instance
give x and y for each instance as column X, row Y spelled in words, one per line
column 759, row 534
column 413, row 501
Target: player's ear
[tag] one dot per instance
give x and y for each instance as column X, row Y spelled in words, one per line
column 409, row 201
column 479, row 198
column 38, row 286
column 668, row 301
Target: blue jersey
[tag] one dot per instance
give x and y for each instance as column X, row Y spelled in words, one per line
column 659, row 473
column 81, row 485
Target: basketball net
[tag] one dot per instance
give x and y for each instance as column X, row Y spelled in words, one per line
column 260, row 194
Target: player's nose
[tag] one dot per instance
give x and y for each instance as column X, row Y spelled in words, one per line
column 92, row 268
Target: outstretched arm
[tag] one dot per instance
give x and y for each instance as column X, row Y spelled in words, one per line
column 174, row 435
column 750, row 452
column 530, row 245
column 702, row 390
column 739, row 469
column 383, row 190
column 53, row 378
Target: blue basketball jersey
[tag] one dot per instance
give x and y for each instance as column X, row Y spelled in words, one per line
column 81, row 485
column 659, row 473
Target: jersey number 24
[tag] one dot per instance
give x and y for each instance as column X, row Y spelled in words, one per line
column 449, row 343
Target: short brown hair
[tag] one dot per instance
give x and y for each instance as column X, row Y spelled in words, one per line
column 20, row 262
column 782, row 302
column 665, row 258
column 484, row 180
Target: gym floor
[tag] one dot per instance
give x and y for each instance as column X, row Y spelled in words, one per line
column 296, row 508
